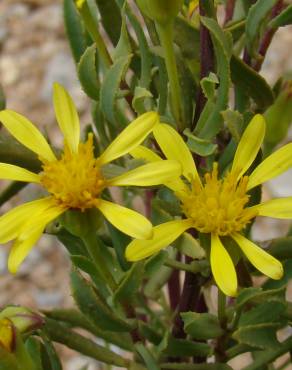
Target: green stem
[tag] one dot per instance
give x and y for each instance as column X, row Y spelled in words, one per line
column 94, row 249
column 59, row 333
column 165, row 33
column 93, row 30
column 193, row 267
column 269, row 356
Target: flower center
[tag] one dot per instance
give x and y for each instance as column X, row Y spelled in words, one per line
column 75, row 180
column 219, row 205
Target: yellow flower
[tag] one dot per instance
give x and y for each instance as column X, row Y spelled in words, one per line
column 219, row 206
column 75, row 179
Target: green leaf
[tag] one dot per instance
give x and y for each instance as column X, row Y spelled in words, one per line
column 259, row 336
column 209, row 125
column 251, row 83
column 59, row 333
column 255, row 18
column 110, row 18
column 187, row 37
column 93, row 306
column 183, row 347
column 199, row 146
column 208, row 85
column 146, row 57
column 73, row 244
column 258, row 295
column 34, row 347
column 130, row 283
column 278, row 118
column 234, row 122
column 120, row 242
column 147, row 357
column 188, row 366
column 283, row 19
column 141, row 99
column 265, row 312
column 276, row 284
column 123, row 48
column 55, row 363
column 86, row 265
column 189, row 246
column 149, row 333
column 201, row 326
column 87, row 73
column 74, row 29
column 281, row 248
column 189, row 88
column 154, row 263
column 110, row 87
column 76, row 319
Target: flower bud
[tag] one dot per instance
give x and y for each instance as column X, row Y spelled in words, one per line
column 161, row 11
column 7, row 334
column 22, row 318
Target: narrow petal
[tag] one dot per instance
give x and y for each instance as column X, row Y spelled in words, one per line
column 222, row 267
column 249, row 145
column 37, row 221
column 272, row 166
column 15, row 173
column 277, row 208
column 264, row 262
column 126, row 220
column 163, row 236
column 173, row 147
column 12, row 221
column 141, row 152
column 150, row 174
column 30, row 232
column 20, row 250
column 27, row 134
column 67, row 117
column 132, row 136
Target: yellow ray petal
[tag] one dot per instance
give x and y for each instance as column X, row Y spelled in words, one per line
column 222, row 267
column 277, row 208
column 150, row 174
column 249, row 145
column 21, row 249
column 130, row 137
column 30, row 232
column 264, row 262
column 126, row 220
column 163, row 236
column 141, row 152
column 67, row 117
column 36, row 222
column 27, row 134
column 15, row 173
column 173, row 146
column 272, row 166
column 12, row 221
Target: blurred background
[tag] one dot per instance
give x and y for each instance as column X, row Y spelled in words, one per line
column 33, row 54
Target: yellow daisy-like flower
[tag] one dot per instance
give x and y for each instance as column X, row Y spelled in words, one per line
column 75, row 179
column 219, row 206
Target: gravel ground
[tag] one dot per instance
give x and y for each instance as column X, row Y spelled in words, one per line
column 34, row 54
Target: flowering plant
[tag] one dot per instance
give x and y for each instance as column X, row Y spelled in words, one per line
column 182, row 120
